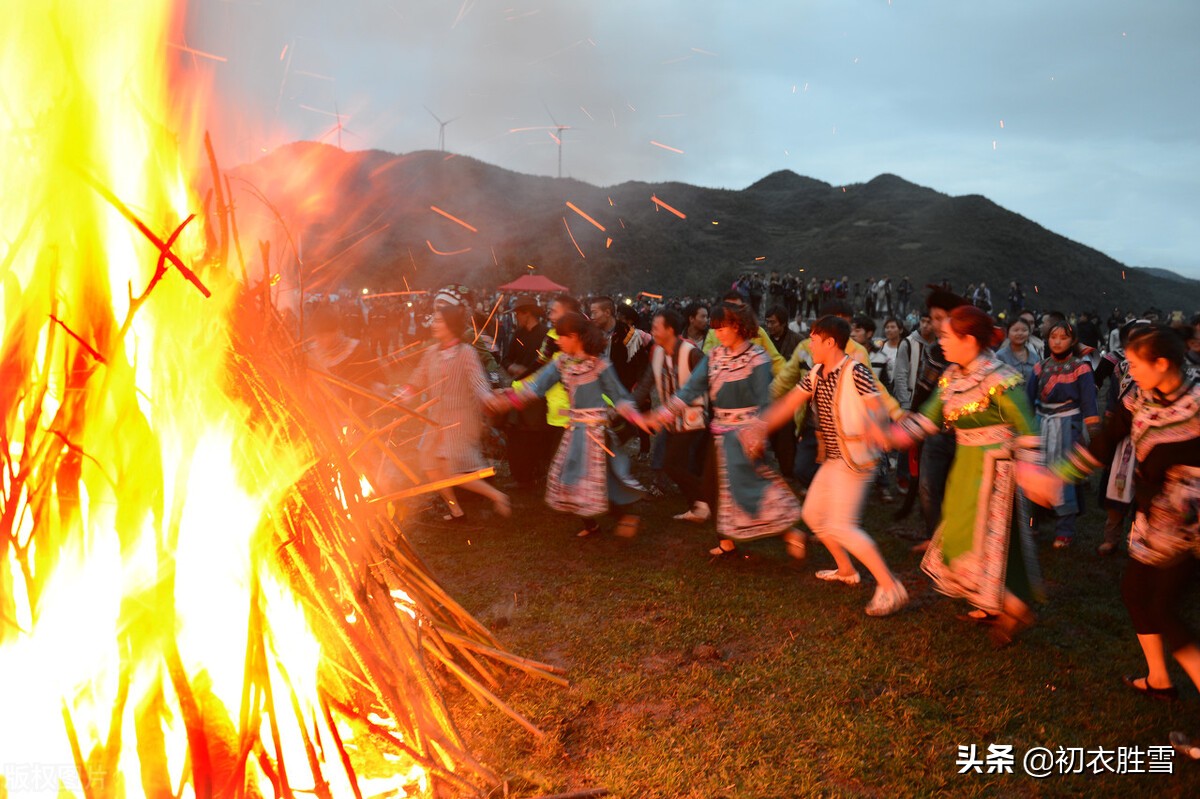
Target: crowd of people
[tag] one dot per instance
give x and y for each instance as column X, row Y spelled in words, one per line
column 986, row 423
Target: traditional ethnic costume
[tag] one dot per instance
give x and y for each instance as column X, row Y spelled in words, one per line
column 972, row 554
column 752, row 499
column 1165, row 540
column 1116, row 485
column 590, row 470
column 1063, row 392
column 456, row 378
column 1165, row 432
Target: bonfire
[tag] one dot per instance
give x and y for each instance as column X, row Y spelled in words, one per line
column 201, row 592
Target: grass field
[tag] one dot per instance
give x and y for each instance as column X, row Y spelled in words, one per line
column 748, row 677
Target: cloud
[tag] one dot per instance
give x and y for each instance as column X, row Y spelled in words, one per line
column 1099, row 119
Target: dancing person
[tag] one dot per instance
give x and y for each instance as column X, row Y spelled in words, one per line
column 936, row 452
column 1063, row 393
column 850, row 414
column 671, row 365
column 790, row 375
column 1116, row 484
column 752, row 499
column 759, row 337
column 1162, row 418
column 978, row 552
column 590, row 470
column 449, row 371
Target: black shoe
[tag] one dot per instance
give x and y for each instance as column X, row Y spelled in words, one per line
column 1168, row 694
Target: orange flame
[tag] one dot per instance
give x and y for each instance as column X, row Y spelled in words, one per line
column 122, row 582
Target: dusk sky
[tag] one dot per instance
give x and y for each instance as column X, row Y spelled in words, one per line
column 1081, row 116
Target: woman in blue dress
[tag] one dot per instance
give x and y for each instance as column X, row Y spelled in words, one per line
column 590, row 470
column 1063, row 392
column 753, row 501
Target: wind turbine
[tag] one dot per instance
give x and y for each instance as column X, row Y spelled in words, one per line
column 441, row 128
column 558, row 138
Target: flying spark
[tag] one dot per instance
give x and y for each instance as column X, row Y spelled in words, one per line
column 575, row 208
column 572, row 235
column 666, row 147
column 452, row 218
column 200, row 53
column 436, row 251
column 666, row 207
column 314, row 75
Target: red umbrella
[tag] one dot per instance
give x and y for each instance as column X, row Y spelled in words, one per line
column 534, row 284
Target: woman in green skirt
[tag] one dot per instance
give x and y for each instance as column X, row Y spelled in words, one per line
column 979, row 551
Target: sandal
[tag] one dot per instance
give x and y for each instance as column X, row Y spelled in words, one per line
column 1105, row 549
column 628, row 526
column 834, row 576
column 1167, row 694
column 724, row 547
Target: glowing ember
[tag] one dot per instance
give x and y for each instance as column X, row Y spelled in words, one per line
column 575, row 208
column 436, row 251
column 452, row 218
column 654, row 199
column 572, row 235
column 666, row 147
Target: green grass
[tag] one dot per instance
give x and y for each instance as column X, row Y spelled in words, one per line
column 747, row 677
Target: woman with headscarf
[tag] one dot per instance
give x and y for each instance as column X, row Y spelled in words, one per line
column 1162, row 419
column 449, row 371
column 590, row 469
column 1063, row 393
column 752, row 499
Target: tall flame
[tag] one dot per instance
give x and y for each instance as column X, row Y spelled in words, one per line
column 127, row 562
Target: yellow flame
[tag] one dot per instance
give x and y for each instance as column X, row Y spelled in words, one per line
column 160, row 448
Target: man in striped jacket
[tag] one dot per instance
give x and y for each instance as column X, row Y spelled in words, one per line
column 671, row 363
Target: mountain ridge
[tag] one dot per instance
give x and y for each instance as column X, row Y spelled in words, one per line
column 372, row 218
